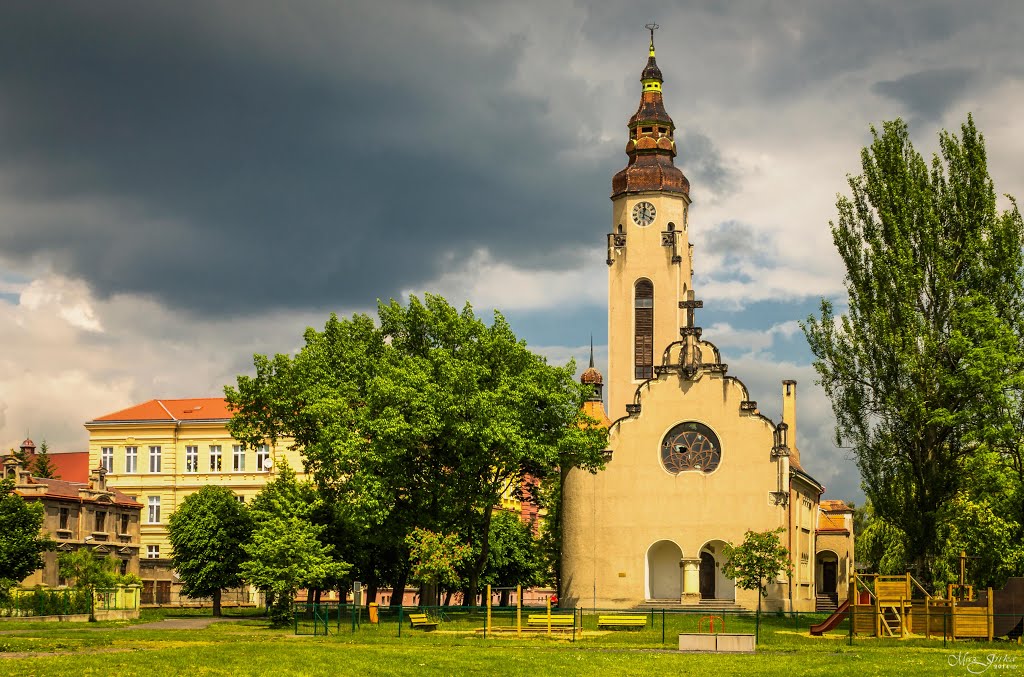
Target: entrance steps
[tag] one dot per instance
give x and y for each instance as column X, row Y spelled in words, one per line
column 826, row 601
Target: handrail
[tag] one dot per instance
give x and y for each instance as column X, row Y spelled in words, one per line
column 919, row 587
column 857, row 577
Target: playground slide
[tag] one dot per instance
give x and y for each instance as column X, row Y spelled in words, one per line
column 832, row 621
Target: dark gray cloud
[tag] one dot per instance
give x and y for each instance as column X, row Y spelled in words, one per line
column 236, row 180
column 928, row 94
column 227, row 157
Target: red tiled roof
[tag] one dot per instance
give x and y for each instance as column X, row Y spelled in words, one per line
column 835, row 506
column 831, row 522
column 62, row 489
column 71, row 466
column 191, row 409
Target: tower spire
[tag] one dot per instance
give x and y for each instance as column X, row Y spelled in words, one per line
column 652, row 27
column 651, row 147
column 591, row 351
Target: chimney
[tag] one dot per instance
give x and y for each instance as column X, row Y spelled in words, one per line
column 789, row 416
column 98, row 479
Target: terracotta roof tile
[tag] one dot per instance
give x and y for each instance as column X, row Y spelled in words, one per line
column 62, row 489
column 835, row 506
column 71, row 466
column 190, row 409
column 595, row 409
column 831, row 522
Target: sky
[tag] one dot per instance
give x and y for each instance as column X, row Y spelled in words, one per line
column 185, row 184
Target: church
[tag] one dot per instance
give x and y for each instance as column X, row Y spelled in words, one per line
column 692, row 462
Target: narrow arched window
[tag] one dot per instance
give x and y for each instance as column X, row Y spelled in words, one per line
column 643, row 314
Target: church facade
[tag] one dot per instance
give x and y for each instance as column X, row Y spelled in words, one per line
column 693, row 464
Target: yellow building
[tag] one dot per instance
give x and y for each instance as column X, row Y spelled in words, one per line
column 693, row 464
column 159, row 452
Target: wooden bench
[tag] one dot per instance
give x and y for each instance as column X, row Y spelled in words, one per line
column 622, row 620
column 557, row 620
column 421, row 621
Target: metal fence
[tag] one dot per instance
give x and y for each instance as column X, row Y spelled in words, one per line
column 46, row 602
column 659, row 627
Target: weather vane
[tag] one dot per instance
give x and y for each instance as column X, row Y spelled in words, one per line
column 652, row 27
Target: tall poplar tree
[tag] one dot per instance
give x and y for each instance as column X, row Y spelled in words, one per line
column 930, row 338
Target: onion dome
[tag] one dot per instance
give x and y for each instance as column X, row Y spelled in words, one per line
column 592, row 377
column 28, row 445
column 651, row 146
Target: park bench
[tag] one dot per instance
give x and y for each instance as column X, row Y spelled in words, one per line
column 557, row 620
column 622, row 620
column 421, row 621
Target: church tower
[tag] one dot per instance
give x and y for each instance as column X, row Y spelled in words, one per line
column 691, row 462
column 649, row 265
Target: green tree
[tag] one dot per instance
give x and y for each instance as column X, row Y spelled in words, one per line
column 88, row 569
column 43, row 465
column 434, row 560
column 426, row 421
column 929, row 347
column 21, row 545
column 756, row 563
column 514, row 557
column 207, row 533
column 286, row 552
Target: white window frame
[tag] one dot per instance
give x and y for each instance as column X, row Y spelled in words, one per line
column 240, row 498
column 154, row 510
column 155, row 458
column 152, row 552
column 215, row 458
column 107, row 458
column 238, row 458
column 192, row 459
column 131, row 459
column 262, row 456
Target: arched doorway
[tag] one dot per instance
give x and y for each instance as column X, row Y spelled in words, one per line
column 828, row 572
column 714, row 584
column 664, row 576
column 707, row 575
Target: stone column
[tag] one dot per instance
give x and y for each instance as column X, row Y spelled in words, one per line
column 691, row 581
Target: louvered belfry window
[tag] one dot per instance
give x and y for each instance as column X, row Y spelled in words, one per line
column 643, row 312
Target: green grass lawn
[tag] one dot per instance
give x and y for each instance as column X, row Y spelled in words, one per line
column 249, row 646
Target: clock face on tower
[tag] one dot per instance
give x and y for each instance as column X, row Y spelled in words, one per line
column 643, row 214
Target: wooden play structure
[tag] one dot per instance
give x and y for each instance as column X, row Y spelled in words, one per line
column 895, row 606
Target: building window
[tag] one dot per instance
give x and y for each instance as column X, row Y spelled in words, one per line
column 238, row 457
column 124, row 524
column 154, row 509
column 65, row 518
column 107, row 458
column 154, row 459
column 101, row 521
column 124, row 567
column 240, row 499
column 690, row 446
column 152, row 552
column 131, row 459
column 215, row 457
column 263, row 457
column 191, row 459
column 643, row 318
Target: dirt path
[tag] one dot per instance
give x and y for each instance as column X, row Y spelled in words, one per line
column 181, row 623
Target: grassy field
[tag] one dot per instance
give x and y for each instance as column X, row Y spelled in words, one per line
column 246, row 645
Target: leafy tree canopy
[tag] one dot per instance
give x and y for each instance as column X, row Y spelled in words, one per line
column 21, row 544
column 426, row 421
column 286, row 552
column 88, row 569
column 207, row 532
